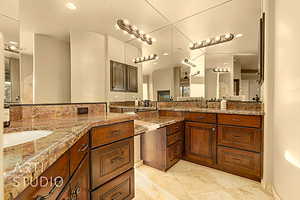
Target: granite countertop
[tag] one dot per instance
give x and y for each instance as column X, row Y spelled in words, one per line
column 134, row 107
column 146, row 124
column 27, row 161
column 211, row 110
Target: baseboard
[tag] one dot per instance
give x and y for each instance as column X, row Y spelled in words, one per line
column 275, row 194
column 138, row 164
column 268, row 187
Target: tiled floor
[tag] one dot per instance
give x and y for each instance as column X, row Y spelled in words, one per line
column 188, row 181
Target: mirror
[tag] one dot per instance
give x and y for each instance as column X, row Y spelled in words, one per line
column 63, row 55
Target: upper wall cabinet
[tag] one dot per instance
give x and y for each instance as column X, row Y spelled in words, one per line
column 132, row 79
column 123, row 78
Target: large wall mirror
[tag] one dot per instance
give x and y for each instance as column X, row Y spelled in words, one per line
column 58, row 55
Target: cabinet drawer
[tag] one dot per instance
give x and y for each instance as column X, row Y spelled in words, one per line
column 239, row 137
column 111, row 160
column 171, row 139
column 78, row 151
column 119, row 188
column 240, row 120
column 54, row 178
column 201, row 117
column 174, row 153
column 239, row 162
column 108, row 134
column 173, row 128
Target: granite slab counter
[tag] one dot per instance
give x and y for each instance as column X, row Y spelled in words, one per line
column 210, row 110
column 134, row 107
column 23, row 163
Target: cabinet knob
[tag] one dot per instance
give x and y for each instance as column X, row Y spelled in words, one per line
column 213, row 129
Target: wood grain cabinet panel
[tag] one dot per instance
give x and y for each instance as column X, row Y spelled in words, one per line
column 120, row 188
column 240, row 120
column 132, row 79
column 200, row 143
column 80, row 187
column 243, row 163
column 111, row 160
column 54, row 178
column 108, row 134
column 65, row 194
column 78, row 151
column 173, row 128
column 240, row 137
column 118, row 76
column 201, row 117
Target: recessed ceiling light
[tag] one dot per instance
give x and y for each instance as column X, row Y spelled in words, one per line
column 165, row 54
column 71, row 6
column 239, row 35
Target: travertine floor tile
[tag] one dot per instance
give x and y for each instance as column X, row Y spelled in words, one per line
column 188, row 181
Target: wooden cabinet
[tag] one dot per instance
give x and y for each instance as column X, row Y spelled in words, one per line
column 111, row 160
column 200, row 143
column 123, row 77
column 201, row 117
column 132, row 79
column 120, row 188
column 78, row 151
column 240, row 137
column 243, row 163
column 107, row 134
column 65, row 194
column 162, row 148
column 118, row 76
column 53, row 179
column 240, row 120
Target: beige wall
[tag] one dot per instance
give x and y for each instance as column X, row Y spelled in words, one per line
column 1, row 114
column 15, row 79
column 124, row 53
column 26, row 78
column 87, row 67
column 52, row 76
column 286, row 99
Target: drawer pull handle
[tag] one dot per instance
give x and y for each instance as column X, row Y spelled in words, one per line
column 117, row 159
column 115, row 133
column 83, row 148
column 116, row 196
column 236, row 136
column 58, row 183
column 237, row 159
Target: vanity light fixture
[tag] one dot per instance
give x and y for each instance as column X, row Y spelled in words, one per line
column 214, row 41
column 222, row 70
column 71, row 6
column 133, row 31
column 188, row 63
column 145, row 58
column 12, row 46
column 165, row 54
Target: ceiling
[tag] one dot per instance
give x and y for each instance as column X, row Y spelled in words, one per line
column 173, row 23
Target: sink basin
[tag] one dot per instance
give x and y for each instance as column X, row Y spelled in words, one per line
column 11, row 139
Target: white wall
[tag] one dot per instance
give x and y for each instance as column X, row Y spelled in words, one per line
column 1, row 115
column 286, row 98
column 87, row 67
column 26, row 78
column 124, row 53
column 51, row 70
column 163, row 79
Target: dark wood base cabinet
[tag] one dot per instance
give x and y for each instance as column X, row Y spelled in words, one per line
column 98, row 166
column 162, row 148
column 229, row 142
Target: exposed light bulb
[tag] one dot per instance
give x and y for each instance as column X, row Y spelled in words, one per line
column 238, row 35
column 13, row 47
column 227, row 35
column 142, row 32
column 126, row 22
column 208, row 40
column 125, row 32
column 191, row 45
column 134, row 28
column 132, row 36
column 217, row 38
column 153, row 40
column 147, row 36
column 71, row 6
column 117, row 27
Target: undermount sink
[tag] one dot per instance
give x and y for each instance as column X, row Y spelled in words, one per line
column 12, row 139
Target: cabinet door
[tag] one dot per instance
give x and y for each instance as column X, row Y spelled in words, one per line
column 132, row 79
column 65, row 194
column 200, row 143
column 80, row 181
column 117, row 76
column 111, row 160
